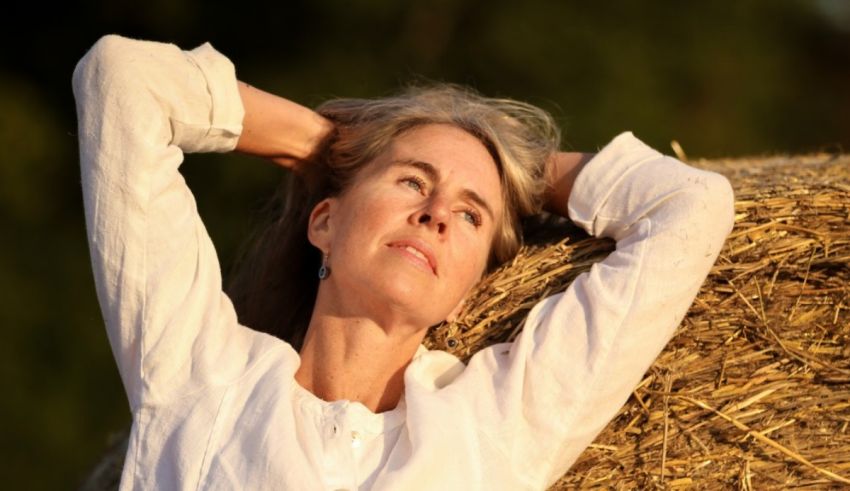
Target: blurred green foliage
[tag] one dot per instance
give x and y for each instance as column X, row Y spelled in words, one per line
column 722, row 78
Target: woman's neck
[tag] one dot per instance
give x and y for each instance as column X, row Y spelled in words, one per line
column 356, row 359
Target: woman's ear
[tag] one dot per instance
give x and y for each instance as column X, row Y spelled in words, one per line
column 319, row 230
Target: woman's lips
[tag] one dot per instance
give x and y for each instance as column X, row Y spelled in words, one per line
column 418, row 251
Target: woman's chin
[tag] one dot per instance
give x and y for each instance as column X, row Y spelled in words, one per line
column 402, row 306
column 402, row 302
column 396, row 291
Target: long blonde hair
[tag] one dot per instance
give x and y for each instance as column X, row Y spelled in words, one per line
column 274, row 283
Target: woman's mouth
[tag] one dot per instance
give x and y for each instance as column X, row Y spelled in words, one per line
column 418, row 252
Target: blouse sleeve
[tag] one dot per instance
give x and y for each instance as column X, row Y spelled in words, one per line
column 543, row 399
column 140, row 106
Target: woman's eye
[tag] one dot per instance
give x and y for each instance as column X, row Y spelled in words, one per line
column 472, row 217
column 414, row 183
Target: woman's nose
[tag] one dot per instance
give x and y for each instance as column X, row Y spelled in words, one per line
column 436, row 214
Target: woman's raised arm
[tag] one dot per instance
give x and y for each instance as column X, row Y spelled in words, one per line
column 278, row 129
column 541, row 400
column 141, row 105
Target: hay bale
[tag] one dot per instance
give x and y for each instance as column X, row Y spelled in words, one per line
column 754, row 389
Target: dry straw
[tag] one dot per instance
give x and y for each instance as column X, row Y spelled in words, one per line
column 753, row 392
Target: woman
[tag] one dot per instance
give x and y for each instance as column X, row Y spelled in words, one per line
column 409, row 207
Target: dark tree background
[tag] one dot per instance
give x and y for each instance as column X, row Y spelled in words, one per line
column 722, row 78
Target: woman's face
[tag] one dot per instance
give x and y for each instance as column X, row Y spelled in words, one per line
column 411, row 237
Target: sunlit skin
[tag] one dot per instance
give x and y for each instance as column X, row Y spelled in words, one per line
column 373, row 311
column 436, row 190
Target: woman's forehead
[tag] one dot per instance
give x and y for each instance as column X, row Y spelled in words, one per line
column 448, row 153
column 446, row 147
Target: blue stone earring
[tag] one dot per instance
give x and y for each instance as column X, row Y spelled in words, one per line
column 324, row 270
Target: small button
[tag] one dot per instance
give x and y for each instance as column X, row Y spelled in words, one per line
column 355, row 439
column 335, row 429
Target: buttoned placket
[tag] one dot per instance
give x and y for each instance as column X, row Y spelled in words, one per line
column 343, row 440
column 347, row 432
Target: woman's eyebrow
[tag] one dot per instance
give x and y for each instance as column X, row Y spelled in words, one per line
column 478, row 200
column 429, row 170
column 433, row 175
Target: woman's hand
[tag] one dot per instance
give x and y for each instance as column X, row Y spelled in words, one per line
column 278, row 129
column 561, row 173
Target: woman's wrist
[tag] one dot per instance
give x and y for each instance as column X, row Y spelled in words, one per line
column 561, row 172
column 278, row 129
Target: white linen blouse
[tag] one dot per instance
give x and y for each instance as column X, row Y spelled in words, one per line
column 215, row 404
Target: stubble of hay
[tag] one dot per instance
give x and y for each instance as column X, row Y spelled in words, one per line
column 753, row 392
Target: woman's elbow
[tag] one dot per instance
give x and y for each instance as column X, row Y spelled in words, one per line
column 712, row 209
column 97, row 69
column 723, row 202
